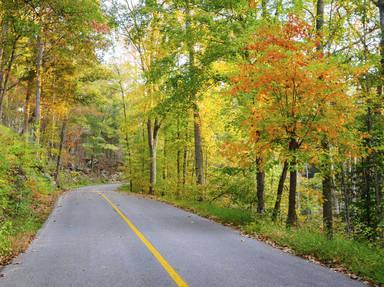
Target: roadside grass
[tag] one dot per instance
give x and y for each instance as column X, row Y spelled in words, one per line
column 352, row 256
column 22, row 230
column 226, row 215
column 343, row 254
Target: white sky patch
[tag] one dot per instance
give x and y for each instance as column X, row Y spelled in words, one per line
column 118, row 52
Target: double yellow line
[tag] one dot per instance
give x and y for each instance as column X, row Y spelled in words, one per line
column 172, row 273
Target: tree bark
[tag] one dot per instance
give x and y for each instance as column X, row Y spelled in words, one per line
column 5, row 76
column 58, row 161
column 380, row 5
column 379, row 175
column 153, row 133
column 280, row 189
column 319, row 19
column 260, row 186
column 185, row 160
column 3, row 35
column 292, row 216
column 199, row 163
column 122, row 92
column 326, row 168
column 39, row 62
column 327, row 192
column 165, row 165
column 27, row 107
column 178, row 157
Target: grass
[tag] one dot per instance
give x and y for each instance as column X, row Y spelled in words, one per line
column 24, row 228
column 353, row 256
column 348, row 255
column 232, row 216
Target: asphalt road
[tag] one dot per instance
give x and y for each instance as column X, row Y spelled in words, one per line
column 98, row 237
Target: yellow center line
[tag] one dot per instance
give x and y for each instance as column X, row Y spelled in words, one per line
column 172, row 273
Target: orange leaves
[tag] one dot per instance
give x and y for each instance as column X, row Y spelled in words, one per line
column 290, row 89
column 100, row 27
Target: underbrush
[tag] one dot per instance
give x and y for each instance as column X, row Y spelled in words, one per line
column 27, row 193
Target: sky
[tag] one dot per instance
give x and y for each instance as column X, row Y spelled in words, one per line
column 117, row 53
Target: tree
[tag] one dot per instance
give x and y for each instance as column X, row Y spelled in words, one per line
column 297, row 94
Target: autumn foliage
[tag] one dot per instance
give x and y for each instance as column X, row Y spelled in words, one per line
column 294, row 92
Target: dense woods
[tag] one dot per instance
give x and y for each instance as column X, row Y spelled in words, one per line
column 273, row 107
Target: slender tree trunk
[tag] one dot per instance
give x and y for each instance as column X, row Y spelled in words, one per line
column 327, row 191
column 292, row 216
column 143, row 150
column 58, row 161
column 379, row 175
column 5, row 76
column 199, row 162
column 178, row 158
column 152, row 144
column 185, row 163
column 39, row 62
column 126, row 133
column 320, row 20
column 3, row 36
column 380, row 5
column 260, row 186
column 327, row 205
column 165, row 165
column 326, row 168
column 280, row 189
column 345, row 188
column 27, row 106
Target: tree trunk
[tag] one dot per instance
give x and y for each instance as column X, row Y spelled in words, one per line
column 27, row 106
column 39, row 62
column 178, row 158
column 345, row 189
column 122, row 92
column 199, row 163
column 185, row 163
column 5, row 76
column 165, row 166
column 380, row 5
column 3, row 35
column 280, row 189
column 292, row 217
column 379, row 175
column 143, row 150
column 319, row 21
column 58, row 161
column 326, row 168
column 260, row 186
column 152, row 144
column 327, row 193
